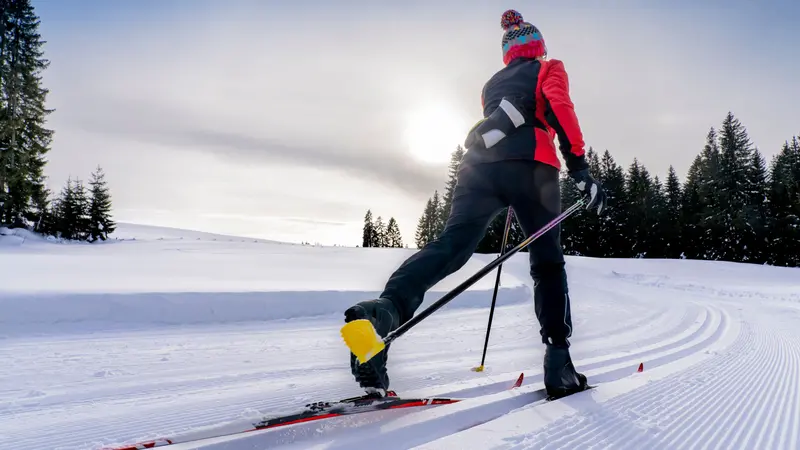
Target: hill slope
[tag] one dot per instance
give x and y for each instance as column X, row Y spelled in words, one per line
column 148, row 338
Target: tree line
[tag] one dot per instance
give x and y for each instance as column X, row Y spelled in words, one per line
column 376, row 234
column 732, row 206
column 25, row 199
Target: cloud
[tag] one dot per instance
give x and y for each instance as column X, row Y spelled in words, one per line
column 151, row 123
column 313, row 117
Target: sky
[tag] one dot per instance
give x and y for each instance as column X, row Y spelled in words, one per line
column 288, row 120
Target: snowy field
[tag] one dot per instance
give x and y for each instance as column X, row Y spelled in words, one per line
column 174, row 331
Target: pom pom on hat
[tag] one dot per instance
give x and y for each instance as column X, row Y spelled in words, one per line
column 520, row 38
column 510, row 18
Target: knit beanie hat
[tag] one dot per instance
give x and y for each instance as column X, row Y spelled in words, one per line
column 521, row 39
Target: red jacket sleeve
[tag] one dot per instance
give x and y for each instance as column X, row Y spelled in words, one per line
column 560, row 115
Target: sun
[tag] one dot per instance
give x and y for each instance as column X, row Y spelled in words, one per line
column 433, row 132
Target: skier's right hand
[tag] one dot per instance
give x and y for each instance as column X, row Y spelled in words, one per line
column 592, row 189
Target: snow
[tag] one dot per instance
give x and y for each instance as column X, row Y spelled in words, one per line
column 162, row 332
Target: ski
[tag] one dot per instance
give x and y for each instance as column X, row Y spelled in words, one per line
column 310, row 412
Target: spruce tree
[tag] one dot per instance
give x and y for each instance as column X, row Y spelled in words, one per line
column 67, row 212
column 756, row 239
column 368, row 232
column 436, row 224
column 421, row 237
column 429, row 226
column 784, row 198
column 611, row 237
column 714, row 208
column 735, row 156
column 380, row 233
column 673, row 223
column 450, row 186
column 641, row 222
column 572, row 230
column 83, row 207
column 393, row 236
column 24, row 140
column 692, row 207
column 100, row 221
column 660, row 221
column 591, row 223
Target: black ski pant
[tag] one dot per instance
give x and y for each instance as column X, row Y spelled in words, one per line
column 484, row 190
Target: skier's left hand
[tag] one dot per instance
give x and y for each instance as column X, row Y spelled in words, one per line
column 591, row 188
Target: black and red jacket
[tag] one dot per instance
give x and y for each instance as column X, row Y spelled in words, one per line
column 542, row 88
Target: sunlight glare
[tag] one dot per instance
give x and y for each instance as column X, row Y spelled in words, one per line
column 433, row 132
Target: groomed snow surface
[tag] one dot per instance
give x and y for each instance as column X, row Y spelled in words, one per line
column 176, row 331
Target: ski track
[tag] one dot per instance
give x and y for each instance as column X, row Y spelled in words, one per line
column 420, row 427
column 743, row 397
column 170, row 380
column 140, row 402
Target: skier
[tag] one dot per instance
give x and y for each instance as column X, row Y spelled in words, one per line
column 510, row 160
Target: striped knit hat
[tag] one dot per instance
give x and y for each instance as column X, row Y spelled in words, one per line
column 521, row 39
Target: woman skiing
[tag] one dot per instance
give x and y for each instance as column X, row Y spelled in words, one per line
column 511, row 160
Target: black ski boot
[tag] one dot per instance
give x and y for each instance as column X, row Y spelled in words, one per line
column 382, row 313
column 560, row 377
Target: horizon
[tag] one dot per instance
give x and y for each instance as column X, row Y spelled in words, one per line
column 233, row 119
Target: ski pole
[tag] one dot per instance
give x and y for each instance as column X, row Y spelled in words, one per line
column 509, row 215
column 364, row 342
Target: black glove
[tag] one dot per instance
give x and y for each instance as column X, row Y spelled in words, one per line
column 501, row 122
column 591, row 188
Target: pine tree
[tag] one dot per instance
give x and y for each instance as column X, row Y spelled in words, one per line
column 83, row 207
column 756, row 239
column 784, row 198
column 393, row 236
column 712, row 198
column 100, row 221
column 660, row 223
column 450, row 187
column 368, row 233
column 735, row 157
column 591, row 223
column 672, row 220
column 429, row 223
column 436, row 224
column 67, row 212
column 703, row 210
column 692, row 212
column 572, row 230
column 423, row 225
column 641, row 222
column 24, row 140
column 611, row 234
column 380, row 238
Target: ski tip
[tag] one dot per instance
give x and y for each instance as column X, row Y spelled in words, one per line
column 641, row 367
column 518, row 383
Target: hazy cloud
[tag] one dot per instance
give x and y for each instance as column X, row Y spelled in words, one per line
column 298, row 109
